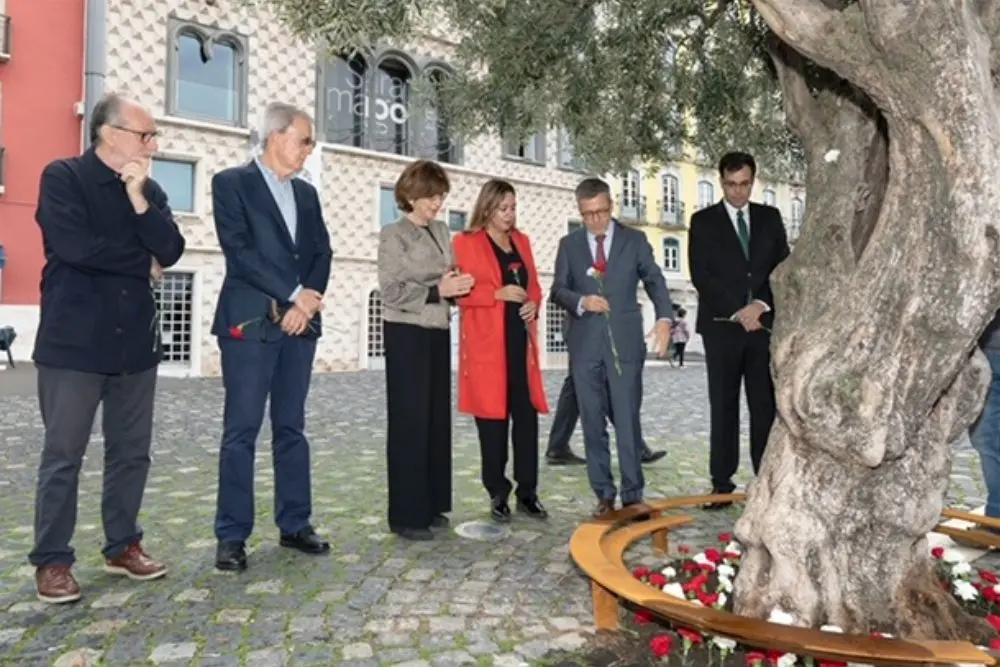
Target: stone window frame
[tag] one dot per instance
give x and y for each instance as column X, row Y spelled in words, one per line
column 373, row 60
column 177, row 26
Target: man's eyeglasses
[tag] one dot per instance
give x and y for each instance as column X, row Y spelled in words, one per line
column 144, row 136
column 598, row 214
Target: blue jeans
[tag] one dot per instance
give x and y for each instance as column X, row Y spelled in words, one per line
column 985, row 437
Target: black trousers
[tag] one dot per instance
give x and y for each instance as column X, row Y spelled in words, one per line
column 493, row 438
column 733, row 356
column 69, row 401
column 418, row 447
column 565, row 419
column 679, row 352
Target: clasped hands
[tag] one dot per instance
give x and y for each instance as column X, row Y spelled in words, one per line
column 517, row 294
column 749, row 316
column 297, row 318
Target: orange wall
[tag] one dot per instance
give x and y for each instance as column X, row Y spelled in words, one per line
column 40, row 84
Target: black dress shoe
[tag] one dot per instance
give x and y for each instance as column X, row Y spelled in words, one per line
column 651, row 456
column 642, row 508
column 566, row 458
column 500, row 511
column 439, row 521
column 532, row 507
column 231, row 557
column 414, row 534
column 306, row 541
column 715, row 507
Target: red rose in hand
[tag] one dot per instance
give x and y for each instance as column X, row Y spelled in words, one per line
column 236, row 332
column 514, row 267
column 601, row 267
column 661, row 645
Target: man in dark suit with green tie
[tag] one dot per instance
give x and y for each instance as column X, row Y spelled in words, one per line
column 733, row 248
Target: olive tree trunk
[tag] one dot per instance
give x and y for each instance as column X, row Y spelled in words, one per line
column 896, row 273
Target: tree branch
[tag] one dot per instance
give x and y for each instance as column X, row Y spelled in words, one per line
column 801, row 110
column 832, row 38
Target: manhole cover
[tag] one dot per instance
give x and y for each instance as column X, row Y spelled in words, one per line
column 479, row 530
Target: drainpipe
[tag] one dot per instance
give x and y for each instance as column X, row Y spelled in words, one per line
column 94, row 68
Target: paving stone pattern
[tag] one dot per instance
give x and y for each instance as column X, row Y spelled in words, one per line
column 375, row 600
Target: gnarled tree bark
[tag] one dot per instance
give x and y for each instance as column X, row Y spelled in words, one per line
column 895, row 275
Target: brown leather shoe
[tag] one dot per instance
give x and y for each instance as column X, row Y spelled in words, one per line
column 55, row 584
column 604, row 509
column 135, row 564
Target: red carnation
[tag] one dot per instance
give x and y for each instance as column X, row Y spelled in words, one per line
column 755, row 658
column 657, row 580
column 713, row 555
column 683, row 549
column 689, row 635
column 236, row 332
column 937, row 552
column 988, row 576
column 661, row 645
column 725, row 538
column 601, row 266
column 993, row 620
column 640, row 572
column 995, row 645
column 643, row 617
column 830, row 663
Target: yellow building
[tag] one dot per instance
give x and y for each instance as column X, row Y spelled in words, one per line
column 660, row 201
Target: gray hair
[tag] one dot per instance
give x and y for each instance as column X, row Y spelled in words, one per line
column 592, row 187
column 278, row 117
column 107, row 111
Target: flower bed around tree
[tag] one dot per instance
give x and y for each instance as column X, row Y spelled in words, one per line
column 706, row 578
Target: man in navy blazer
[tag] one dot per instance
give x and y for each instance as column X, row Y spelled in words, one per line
column 277, row 249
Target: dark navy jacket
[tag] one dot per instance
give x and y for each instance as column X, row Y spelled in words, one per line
column 263, row 263
column 98, row 314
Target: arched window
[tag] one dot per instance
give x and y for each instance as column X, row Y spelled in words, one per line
column 345, row 100
column 706, row 194
column 671, row 212
column 770, row 197
column 390, row 116
column 376, row 339
column 207, row 74
column 671, row 254
column 630, row 195
column 434, row 136
column 798, row 213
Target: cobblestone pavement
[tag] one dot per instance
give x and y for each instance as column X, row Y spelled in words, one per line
column 375, row 600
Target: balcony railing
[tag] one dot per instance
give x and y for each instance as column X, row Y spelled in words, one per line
column 634, row 211
column 3, row 165
column 4, row 38
column 673, row 217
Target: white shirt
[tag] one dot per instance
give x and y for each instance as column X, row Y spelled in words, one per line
column 733, row 211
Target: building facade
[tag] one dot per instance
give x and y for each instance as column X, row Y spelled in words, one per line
column 207, row 70
column 41, row 75
column 660, row 201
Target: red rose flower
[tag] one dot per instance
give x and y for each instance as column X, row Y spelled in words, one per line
column 689, row 636
column 236, row 332
column 657, row 580
column 993, row 620
column 988, row 577
column 990, row 594
column 640, row 572
column 755, row 658
column 601, row 266
column 937, row 552
column 644, row 617
column 689, row 566
column 713, row 555
column 661, row 645
column 725, row 538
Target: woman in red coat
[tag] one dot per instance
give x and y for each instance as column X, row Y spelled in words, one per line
column 499, row 381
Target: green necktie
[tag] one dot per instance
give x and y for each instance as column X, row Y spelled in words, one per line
column 741, row 225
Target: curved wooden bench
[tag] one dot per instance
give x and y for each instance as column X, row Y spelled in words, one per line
column 598, row 548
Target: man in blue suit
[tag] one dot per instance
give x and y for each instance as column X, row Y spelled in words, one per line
column 277, row 249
